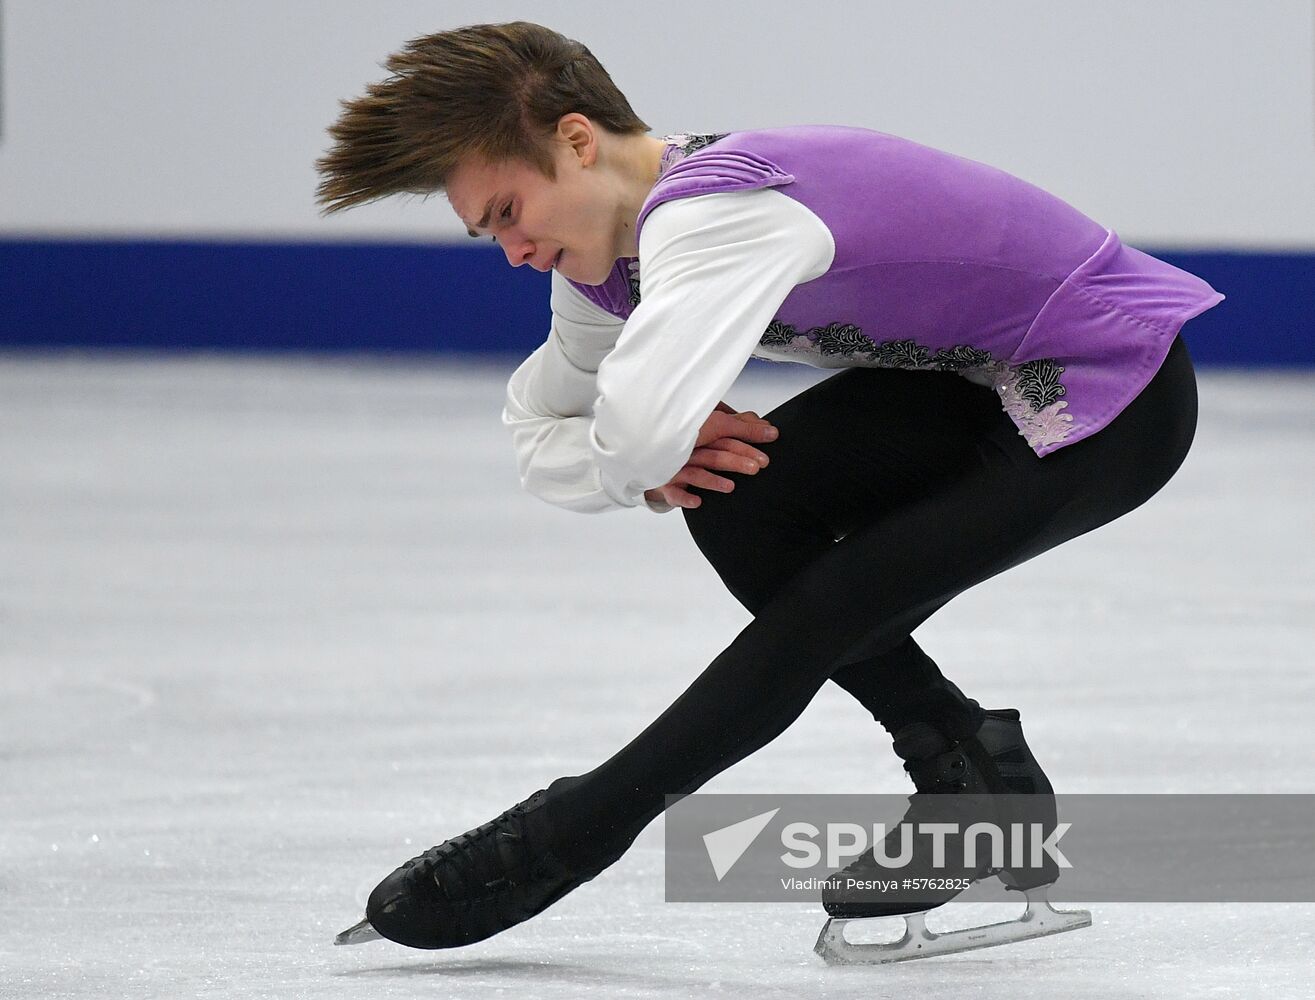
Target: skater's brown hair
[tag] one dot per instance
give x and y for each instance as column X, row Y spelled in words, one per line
column 495, row 91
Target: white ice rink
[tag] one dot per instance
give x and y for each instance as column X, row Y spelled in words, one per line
column 270, row 627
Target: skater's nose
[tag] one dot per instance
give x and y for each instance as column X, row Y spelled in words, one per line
column 518, row 249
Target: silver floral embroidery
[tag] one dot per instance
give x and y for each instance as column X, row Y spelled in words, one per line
column 1029, row 393
column 1020, row 390
column 903, row 354
column 683, row 144
column 778, row 334
column 842, row 338
column 692, row 142
column 1039, row 382
column 962, row 358
column 633, row 279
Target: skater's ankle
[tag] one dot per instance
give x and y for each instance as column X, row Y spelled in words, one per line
column 956, row 721
column 577, row 841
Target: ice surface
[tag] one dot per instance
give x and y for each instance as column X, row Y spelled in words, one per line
column 270, row 627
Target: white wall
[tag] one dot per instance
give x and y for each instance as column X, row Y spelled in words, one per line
column 1176, row 122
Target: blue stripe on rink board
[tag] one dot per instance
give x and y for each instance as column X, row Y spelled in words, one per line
column 407, row 297
column 268, row 296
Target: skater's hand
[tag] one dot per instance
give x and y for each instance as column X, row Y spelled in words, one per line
column 725, row 444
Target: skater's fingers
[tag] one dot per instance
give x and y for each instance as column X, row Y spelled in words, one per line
column 678, row 496
column 729, row 455
column 760, row 432
column 741, row 448
column 724, row 425
column 692, row 475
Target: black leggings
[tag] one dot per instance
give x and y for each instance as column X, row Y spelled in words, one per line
column 888, row 493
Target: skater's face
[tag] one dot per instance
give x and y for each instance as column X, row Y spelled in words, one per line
column 573, row 223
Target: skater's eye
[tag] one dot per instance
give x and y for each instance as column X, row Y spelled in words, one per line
column 505, row 216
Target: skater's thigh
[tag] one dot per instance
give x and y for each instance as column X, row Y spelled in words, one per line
column 851, row 448
column 865, row 441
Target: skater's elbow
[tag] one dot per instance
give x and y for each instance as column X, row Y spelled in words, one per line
column 636, row 453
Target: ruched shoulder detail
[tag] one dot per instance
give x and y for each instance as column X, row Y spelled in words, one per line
column 713, row 172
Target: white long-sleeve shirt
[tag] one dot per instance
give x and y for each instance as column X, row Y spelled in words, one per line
column 607, row 409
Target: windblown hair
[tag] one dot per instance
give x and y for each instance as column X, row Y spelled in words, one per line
column 495, row 91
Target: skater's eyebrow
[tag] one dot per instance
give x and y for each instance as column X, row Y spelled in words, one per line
column 483, row 219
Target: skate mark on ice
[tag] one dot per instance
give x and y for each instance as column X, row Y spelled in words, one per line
column 57, row 707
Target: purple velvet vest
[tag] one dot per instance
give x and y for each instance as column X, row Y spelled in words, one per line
column 945, row 264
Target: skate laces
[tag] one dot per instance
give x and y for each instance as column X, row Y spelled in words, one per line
column 481, row 860
column 935, row 764
column 994, row 754
column 946, row 772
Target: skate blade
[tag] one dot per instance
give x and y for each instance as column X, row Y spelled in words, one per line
column 1039, row 920
column 358, row 934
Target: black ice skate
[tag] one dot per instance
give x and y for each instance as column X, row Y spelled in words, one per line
column 989, row 777
column 472, row 886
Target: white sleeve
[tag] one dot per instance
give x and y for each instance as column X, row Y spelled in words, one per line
column 550, row 399
column 714, row 270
